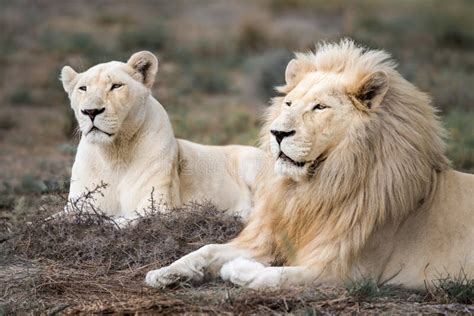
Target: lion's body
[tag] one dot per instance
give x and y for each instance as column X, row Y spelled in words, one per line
column 143, row 156
column 431, row 242
column 360, row 188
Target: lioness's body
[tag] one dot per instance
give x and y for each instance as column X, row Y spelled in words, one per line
column 361, row 186
column 132, row 170
column 134, row 151
column 225, row 173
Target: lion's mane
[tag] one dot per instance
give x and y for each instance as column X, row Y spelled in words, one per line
column 384, row 169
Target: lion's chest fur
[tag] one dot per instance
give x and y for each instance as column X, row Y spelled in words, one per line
column 289, row 217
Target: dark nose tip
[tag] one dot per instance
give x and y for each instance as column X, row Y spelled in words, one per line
column 279, row 135
column 92, row 113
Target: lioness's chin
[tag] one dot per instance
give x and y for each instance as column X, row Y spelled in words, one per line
column 97, row 137
column 287, row 169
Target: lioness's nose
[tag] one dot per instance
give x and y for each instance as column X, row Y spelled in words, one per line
column 279, row 135
column 92, row 113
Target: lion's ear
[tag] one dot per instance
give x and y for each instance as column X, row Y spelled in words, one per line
column 295, row 71
column 372, row 89
column 145, row 66
column 292, row 70
column 68, row 78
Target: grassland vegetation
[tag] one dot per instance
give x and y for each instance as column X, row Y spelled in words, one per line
column 218, row 65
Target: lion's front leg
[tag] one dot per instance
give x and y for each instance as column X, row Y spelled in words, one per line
column 252, row 274
column 195, row 266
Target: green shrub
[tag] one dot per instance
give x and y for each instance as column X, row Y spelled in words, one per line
column 269, row 70
column 451, row 88
column 7, row 122
column 252, row 37
column 154, row 37
column 207, row 77
column 222, row 51
column 106, row 19
column 461, row 139
column 30, row 184
column 21, row 96
column 316, row 6
column 67, row 43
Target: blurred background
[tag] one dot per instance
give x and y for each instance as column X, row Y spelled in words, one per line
column 219, row 62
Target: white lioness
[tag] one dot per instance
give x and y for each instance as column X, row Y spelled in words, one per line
column 361, row 186
column 128, row 143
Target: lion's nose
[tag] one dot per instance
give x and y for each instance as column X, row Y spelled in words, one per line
column 279, row 135
column 92, row 113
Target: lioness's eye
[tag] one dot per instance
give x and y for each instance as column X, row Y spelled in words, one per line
column 288, row 103
column 116, row 86
column 319, row 107
column 83, row 88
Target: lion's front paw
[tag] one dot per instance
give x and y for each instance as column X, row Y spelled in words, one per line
column 162, row 278
column 170, row 275
column 241, row 271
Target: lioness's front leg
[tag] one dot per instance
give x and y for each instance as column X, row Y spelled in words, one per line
column 193, row 267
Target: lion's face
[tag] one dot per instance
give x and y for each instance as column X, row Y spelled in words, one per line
column 316, row 115
column 110, row 97
column 312, row 118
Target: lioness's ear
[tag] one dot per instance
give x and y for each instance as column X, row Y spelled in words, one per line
column 68, row 78
column 145, row 66
column 372, row 89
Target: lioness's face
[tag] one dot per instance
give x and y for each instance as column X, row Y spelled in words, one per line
column 312, row 118
column 107, row 98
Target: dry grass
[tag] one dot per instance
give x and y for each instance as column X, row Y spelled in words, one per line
column 85, row 263
column 83, row 256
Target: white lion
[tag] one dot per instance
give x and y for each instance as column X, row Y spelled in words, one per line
column 361, row 187
column 128, row 143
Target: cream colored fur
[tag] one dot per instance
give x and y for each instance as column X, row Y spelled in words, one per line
column 133, row 149
column 364, row 189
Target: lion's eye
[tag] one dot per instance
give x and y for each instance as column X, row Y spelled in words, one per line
column 83, row 88
column 319, row 107
column 288, row 103
column 116, row 86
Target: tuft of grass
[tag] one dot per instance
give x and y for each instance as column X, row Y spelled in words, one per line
column 363, row 289
column 457, row 289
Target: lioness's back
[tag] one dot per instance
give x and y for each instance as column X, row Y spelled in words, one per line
column 225, row 173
